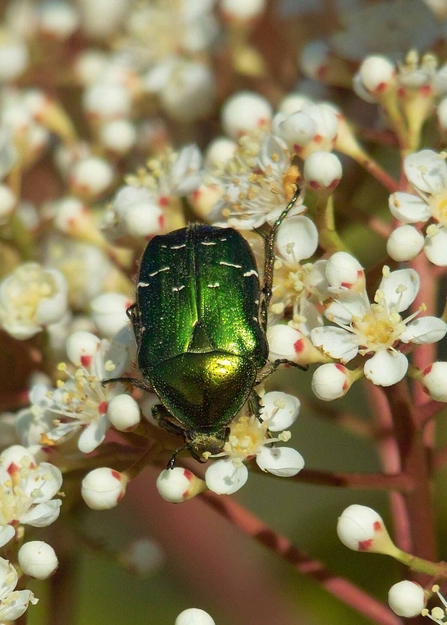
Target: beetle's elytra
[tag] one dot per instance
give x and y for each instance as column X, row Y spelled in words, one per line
column 200, row 321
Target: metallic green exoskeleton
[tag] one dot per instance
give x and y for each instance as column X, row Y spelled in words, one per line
column 200, row 322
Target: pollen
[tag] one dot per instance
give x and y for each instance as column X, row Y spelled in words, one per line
column 247, row 436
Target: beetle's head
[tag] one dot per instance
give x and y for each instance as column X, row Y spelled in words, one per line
column 210, row 442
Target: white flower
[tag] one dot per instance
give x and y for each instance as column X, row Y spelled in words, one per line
column 80, row 404
column 312, row 129
column 362, row 529
column 30, row 299
column 376, row 328
column 301, row 286
column 407, row 598
column 27, row 489
column 250, row 438
column 194, row 616
column 427, row 172
column 177, row 485
column 257, row 182
column 38, row 559
column 103, row 488
column 109, row 313
column 13, row 603
column 245, row 112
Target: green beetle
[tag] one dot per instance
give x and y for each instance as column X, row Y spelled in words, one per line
column 200, row 321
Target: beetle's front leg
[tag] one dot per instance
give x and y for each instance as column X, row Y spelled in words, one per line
column 272, row 367
column 255, row 405
column 138, row 383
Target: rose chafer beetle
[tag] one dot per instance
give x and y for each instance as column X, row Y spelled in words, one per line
column 200, row 321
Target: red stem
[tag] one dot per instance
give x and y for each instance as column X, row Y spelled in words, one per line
column 280, row 545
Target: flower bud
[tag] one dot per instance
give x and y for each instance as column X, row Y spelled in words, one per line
column 343, row 270
column 14, row 57
column 245, row 112
column 360, row 528
column 7, row 202
column 81, row 347
column 434, row 381
column 123, row 412
column 177, row 485
column 322, row 170
column 103, row 488
column 91, row 177
column 404, row 243
column 219, row 151
column 376, row 74
column 237, row 11
column 57, row 19
column 109, row 313
column 194, row 616
column 286, row 342
column 406, row 598
column 141, row 557
column 105, row 101
column 118, row 136
column 331, row 381
column 38, row 559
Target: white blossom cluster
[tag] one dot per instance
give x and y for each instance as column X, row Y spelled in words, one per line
column 147, row 138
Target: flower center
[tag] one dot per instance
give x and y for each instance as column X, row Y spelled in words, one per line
column 247, row 436
column 378, row 329
column 438, row 204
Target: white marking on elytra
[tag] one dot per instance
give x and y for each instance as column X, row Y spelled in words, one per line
column 178, row 247
column 142, row 284
column 222, row 262
column 223, row 239
column 175, row 289
column 163, row 246
column 158, row 271
column 252, row 272
column 208, row 243
column 213, row 286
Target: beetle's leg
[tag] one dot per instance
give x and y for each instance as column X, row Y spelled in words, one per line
column 255, row 405
column 130, row 312
column 166, row 420
column 138, row 383
column 134, row 315
column 269, row 240
column 272, row 367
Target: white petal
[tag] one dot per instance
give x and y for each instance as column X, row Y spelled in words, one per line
column 223, row 478
column 335, row 342
column 386, row 368
column 400, row 288
column 43, row 483
column 273, row 153
column 17, row 605
column 43, row 514
column 424, row 330
column 436, row 248
column 6, row 533
column 93, row 435
column 280, row 410
column 281, row 461
column 347, row 305
column 426, row 170
column 408, row 208
column 298, row 239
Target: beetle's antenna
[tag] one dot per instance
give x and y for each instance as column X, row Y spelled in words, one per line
column 270, row 248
